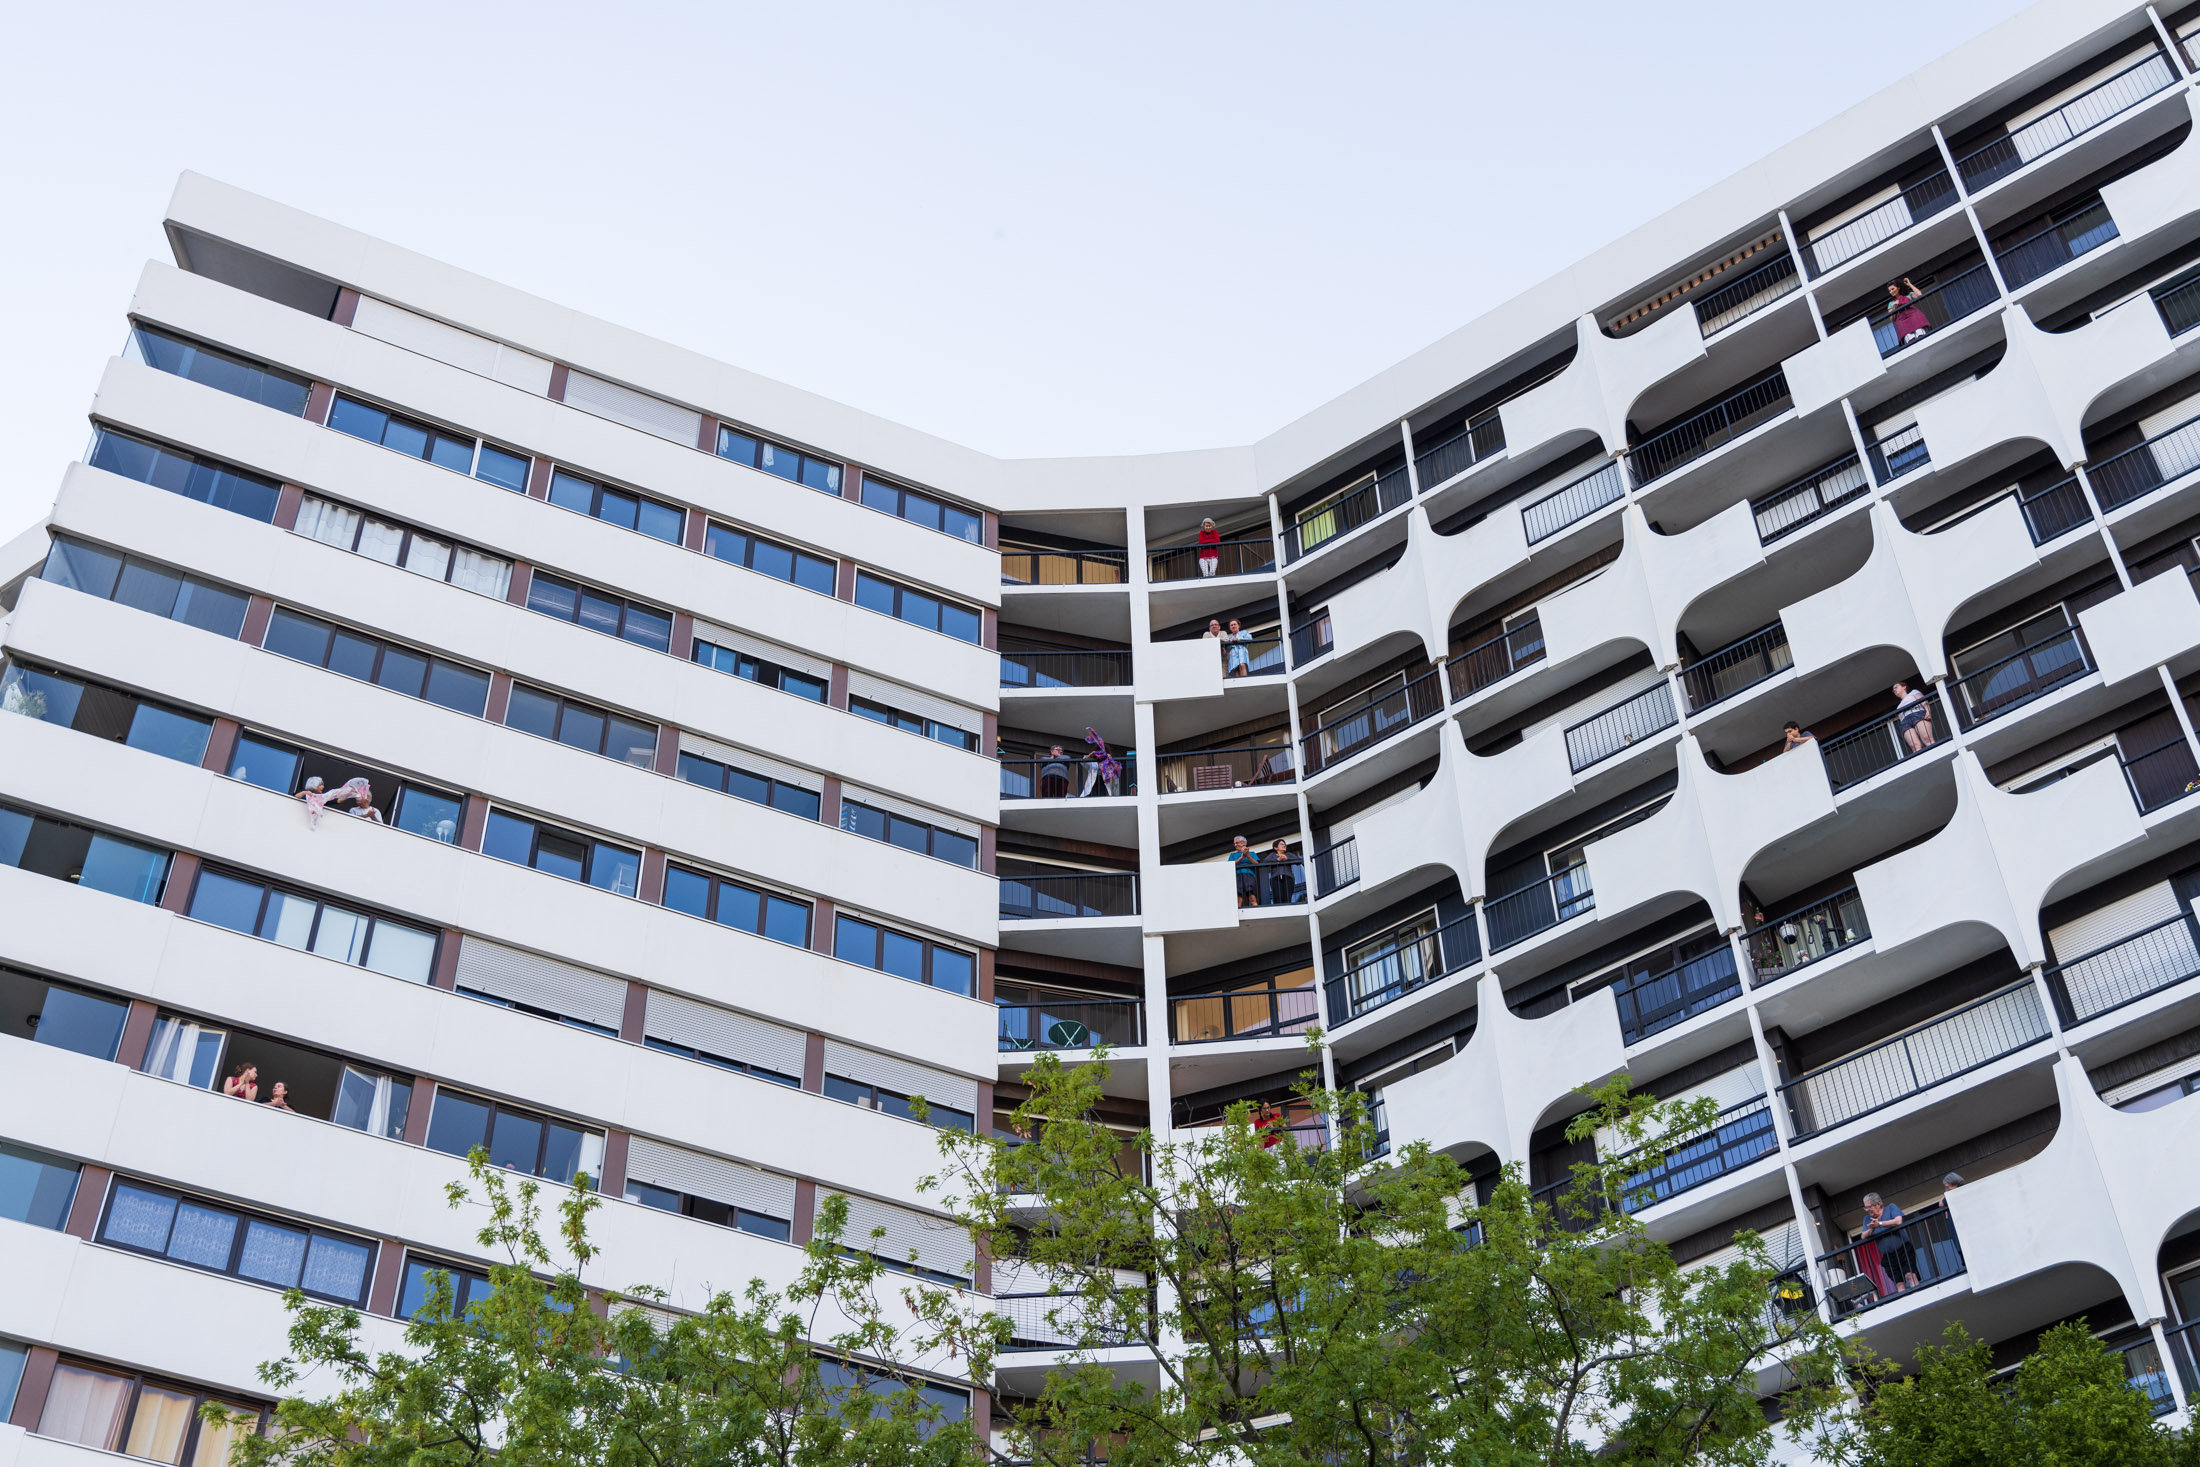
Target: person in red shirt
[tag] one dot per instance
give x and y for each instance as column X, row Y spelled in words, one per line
column 1210, row 547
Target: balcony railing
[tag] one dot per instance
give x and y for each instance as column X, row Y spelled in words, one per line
column 1876, row 1270
column 1251, row 555
column 1742, row 1134
column 1373, row 717
column 2057, row 245
column 1797, row 938
column 1917, row 1059
column 1311, row 638
column 1744, row 408
column 2143, row 1369
column 1390, row 976
column 2050, row 512
column 1064, row 567
column 1717, row 676
column 1072, row 1024
column 1048, row 898
column 1257, row 1013
column 1253, row 655
column 2124, row 971
column 1620, row 727
column 2074, row 118
column 1375, row 497
column 1461, row 451
column 1655, row 1002
column 1575, row 502
column 1858, row 754
column 2140, row 470
column 1070, row 777
column 1788, row 509
column 1748, row 295
column 1065, row 669
column 2019, row 679
column 1497, row 659
column 2162, row 775
column 1895, row 327
column 1057, row 1322
column 2179, row 303
column 1336, row 866
column 1898, row 453
column 1239, row 766
column 2184, row 1349
column 1519, row 915
column 1913, row 205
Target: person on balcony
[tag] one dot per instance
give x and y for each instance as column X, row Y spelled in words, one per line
column 243, row 1082
column 1886, row 1247
column 1913, row 715
column 1210, row 548
column 280, row 1100
column 1282, row 875
column 1247, row 862
column 1910, row 322
column 1239, row 661
column 1054, row 775
column 1102, row 767
column 1794, row 736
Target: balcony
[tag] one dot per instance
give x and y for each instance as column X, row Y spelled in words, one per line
column 1311, row 638
column 1072, row 1024
column 2124, row 971
column 2178, row 301
column 1519, row 915
column 1055, row 898
column 2024, row 677
column 2143, row 1370
column 1481, row 438
column 1801, row 936
column 1743, row 298
column 1239, row 766
column 1882, row 1268
column 2140, row 470
column 1250, row 1013
column 1371, row 718
column 1345, row 511
column 1654, row 1002
column 1573, row 503
column 1491, row 662
column 1748, row 406
column 1058, row 1321
column 1038, row 567
column 1066, row 776
column 1898, row 453
column 1739, row 665
column 1250, row 555
column 1917, row 1059
column 1065, row 669
column 1876, row 747
column 1620, row 727
column 1911, row 206
column 2045, row 251
column 1792, row 506
column 2072, row 120
column 1336, row 866
column 1742, row 1134
column 1895, row 327
column 1411, row 965
column 2162, row 775
column 2049, row 513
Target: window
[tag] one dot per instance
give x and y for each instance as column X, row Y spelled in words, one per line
column 146, row 585
column 614, row 616
column 220, row 1239
column 566, row 853
column 918, row 608
column 209, row 481
column 929, row 728
column 409, row 436
column 769, row 557
column 223, row 371
column 285, row 768
column 539, row 1013
column 839, row 1381
column 731, row 904
column 758, row 670
column 621, row 507
column 467, row 1287
column 923, row 509
column 759, row 789
column 400, row 545
column 67, row 1018
column 374, row 1103
column 904, row 956
column 90, row 858
column 12, row 1360
column 520, row 1140
column 776, row 458
column 403, row 670
column 310, row 924
column 582, row 725
column 185, row 1051
column 104, row 712
column 37, row 1189
column 724, row 1214
column 910, row 835
column 872, row 1097
column 95, row 1406
column 738, row 1066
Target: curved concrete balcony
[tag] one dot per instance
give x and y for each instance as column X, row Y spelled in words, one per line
column 1453, row 818
column 1597, row 389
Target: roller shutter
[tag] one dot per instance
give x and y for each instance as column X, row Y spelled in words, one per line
column 542, row 983
column 462, row 349
column 724, row 636
column 936, row 1243
column 754, row 763
column 635, row 409
column 723, row 1032
column 699, row 1175
column 900, row 1076
column 910, row 700
column 908, row 811
column 2119, row 919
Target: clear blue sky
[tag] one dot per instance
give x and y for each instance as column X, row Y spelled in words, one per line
column 1035, row 229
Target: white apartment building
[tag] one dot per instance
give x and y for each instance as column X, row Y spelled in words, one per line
column 1894, row 436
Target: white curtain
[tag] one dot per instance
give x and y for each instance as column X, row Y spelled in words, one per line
column 430, row 558
column 85, row 1407
column 331, row 524
column 380, row 540
column 487, row 574
column 176, row 1044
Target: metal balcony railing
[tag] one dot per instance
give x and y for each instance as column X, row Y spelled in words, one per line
column 1746, row 407
column 1249, row 555
column 1898, row 453
column 2184, row 1350
column 1046, row 898
column 1917, row 1059
column 1801, row 936
column 2053, row 512
column 2140, row 470
column 1257, row 1013
column 1742, row 1134
column 1620, row 727
column 1072, row 1024
column 2074, row 118
column 1792, row 506
column 1747, row 296
column 1072, row 776
column 1064, row 567
column 1654, row 1002
column 2057, row 245
column 1460, row 451
column 2179, row 303
column 1876, row 1270
column 2143, row 1369
column 1311, row 638
column 1895, row 327
column 2162, row 775
column 2124, row 971
column 1239, row 766
column 1335, row 518
column 1415, row 963
column 1740, row 664
column 1065, row 669
column 1575, row 502
column 2019, row 679
column 1913, row 205
column 1498, row 658
column 1859, row 753
column 1371, row 718
column 1057, row 1322
column 1519, row 915
column 1255, row 654
column 1336, row 866
column 1573, row 1212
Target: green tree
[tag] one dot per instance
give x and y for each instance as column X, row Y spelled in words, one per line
column 553, row 1371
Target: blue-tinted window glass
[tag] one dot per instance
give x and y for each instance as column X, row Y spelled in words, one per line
column 560, row 855
column 616, row 871
column 599, row 613
column 918, row 510
column 960, row 849
column 410, row 439
column 148, row 587
column 460, row 689
column 803, row 685
column 960, row 622
column 581, row 727
column 863, row 820
column 508, row 838
column 215, row 609
column 784, row 462
column 80, row 1023
column 351, row 654
column 685, row 891
column 40, row 695
column 508, row 470
column 963, row 524
column 568, row 492
column 202, row 1235
column 901, row 955
column 302, row 637
column 739, row 447
column 35, row 1188
column 429, row 813
column 270, row 766
column 614, row 508
column 227, row 902
column 530, row 710
column 855, row 942
column 910, row 835
column 776, row 561
column 401, row 671
column 452, row 453
column 821, row 475
column 552, row 597
column 726, row 544
column 272, row 1254
column 457, row 1125
column 357, row 419
column 124, row 868
column 631, row 743
column 12, row 1360
column 169, row 734
column 515, row 1141
column 660, row 521
column 795, row 800
column 82, row 568
column 561, row 1151
column 954, row 971
column 786, row 921
column 137, row 1218
column 336, row 1268
column 740, row 907
column 873, row 593
column 880, row 495
column 813, row 574
column 921, row 610
column 743, row 785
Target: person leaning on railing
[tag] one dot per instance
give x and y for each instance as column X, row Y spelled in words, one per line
column 1210, row 547
column 1914, row 717
column 1281, row 878
column 1247, row 862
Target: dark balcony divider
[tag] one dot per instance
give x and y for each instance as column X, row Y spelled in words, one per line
column 1573, row 503
column 1336, row 866
column 2162, row 775
column 2081, row 114
column 1741, row 664
column 2124, row 971
column 1209, row 1018
column 2015, row 681
column 1072, row 1024
column 1876, row 1270
column 1745, row 297
column 1519, row 915
column 2140, row 470
column 1461, row 451
column 1311, row 638
column 1913, row 205
column 1801, row 936
column 1917, row 1059
column 2053, row 512
column 1656, row 1002
column 2056, row 246
column 1065, row 669
column 1789, row 508
column 1620, row 727
column 1065, row 567
column 1375, row 719
column 1742, row 1134
column 1858, row 754
column 1251, row 555
column 1898, row 453
column 1943, row 305
column 1746, row 407
column 1498, row 658
column 1378, row 496
column 1095, row 894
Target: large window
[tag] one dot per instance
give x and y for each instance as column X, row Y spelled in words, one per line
column 709, row 1210
column 67, row 1018
column 310, row 924
column 840, row 1381
column 467, row 1287
column 146, row 585
column 769, row 557
column 285, row 768
column 158, row 1421
column 520, row 1140
column 759, row 789
column 875, row 1097
column 223, row 371
column 400, row 545
column 581, row 725
column 759, row 670
column 35, row 1188
column 104, row 712
column 738, row 1066
column 930, row 728
column 918, row 608
column 403, row 670
column 925, row 510
column 910, row 835
column 458, row 452
column 621, row 507
column 90, row 858
column 732, row 904
column 599, row 611
column 274, row 1072
column 566, row 853
column 777, row 458
column 209, row 481
column 181, row 1229
column 915, row 958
